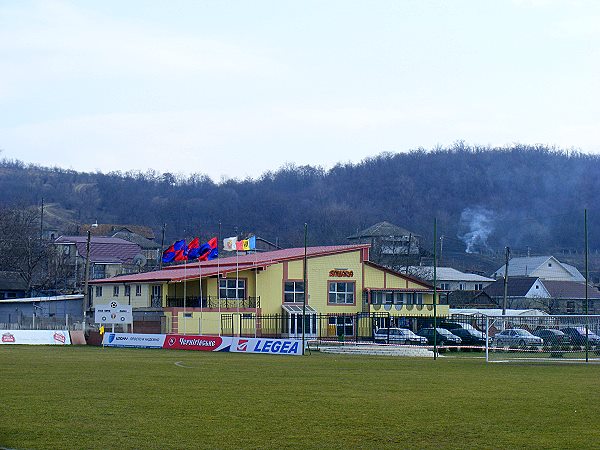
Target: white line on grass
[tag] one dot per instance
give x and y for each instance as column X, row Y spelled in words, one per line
column 180, row 364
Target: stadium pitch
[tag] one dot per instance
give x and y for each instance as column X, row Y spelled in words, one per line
column 89, row 397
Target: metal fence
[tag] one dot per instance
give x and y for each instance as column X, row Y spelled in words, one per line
column 543, row 338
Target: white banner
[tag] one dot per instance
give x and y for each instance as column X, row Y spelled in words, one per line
column 35, row 337
column 134, row 340
column 271, row 346
column 113, row 313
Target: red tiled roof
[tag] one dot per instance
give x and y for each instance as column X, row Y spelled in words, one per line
column 103, row 249
column 231, row 264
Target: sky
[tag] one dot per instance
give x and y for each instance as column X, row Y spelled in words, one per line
column 234, row 89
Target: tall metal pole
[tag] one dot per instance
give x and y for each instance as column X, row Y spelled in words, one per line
column 162, row 246
column 305, row 286
column 434, row 288
column 586, row 286
column 86, row 294
column 507, row 257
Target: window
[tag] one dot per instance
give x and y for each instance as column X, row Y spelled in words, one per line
column 293, row 291
column 228, row 288
column 98, row 291
column 418, row 298
column 445, row 286
column 127, row 291
column 461, row 286
column 479, row 286
column 341, row 293
column 138, row 290
column 344, row 325
column 115, row 291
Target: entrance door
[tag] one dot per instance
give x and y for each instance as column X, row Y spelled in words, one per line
column 156, row 299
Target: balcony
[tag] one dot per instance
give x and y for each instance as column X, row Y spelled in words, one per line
column 212, row 302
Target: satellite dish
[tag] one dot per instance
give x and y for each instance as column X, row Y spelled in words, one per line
column 139, row 260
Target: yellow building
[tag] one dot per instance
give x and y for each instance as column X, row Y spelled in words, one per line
column 262, row 294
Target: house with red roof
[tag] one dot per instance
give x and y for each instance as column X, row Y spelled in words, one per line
column 263, row 293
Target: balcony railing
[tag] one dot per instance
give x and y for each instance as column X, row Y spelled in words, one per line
column 213, row 302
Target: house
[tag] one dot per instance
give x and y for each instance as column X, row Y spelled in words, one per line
column 450, row 279
column 109, row 257
column 263, row 293
column 544, row 267
column 150, row 250
column 553, row 296
column 11, row 285
column 391, row 245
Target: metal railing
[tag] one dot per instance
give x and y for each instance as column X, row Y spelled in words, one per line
column 214, row 302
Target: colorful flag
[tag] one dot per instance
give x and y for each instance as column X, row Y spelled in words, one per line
column 209, row 250
column 252, row 243
column 175, row 252
column 239, row 245
column 229, row 244
column 193, row 249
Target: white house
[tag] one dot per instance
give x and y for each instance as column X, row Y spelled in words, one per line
column 450, row 279
column 544, row 267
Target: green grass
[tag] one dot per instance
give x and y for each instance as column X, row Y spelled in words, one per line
column 87, row 397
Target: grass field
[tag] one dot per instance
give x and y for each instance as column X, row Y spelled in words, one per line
column 89, row 397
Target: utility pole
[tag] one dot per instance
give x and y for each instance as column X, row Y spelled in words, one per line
column 162, row 246
column 86, row 294
column 434, row 289
column 507, row 257
column 441, row 248
column 587, row 345
column 42, row 221
column 305, row 286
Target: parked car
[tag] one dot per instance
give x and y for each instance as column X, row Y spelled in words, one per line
column 577, row 336
column 516, row 336
column 443, row 336
column 552, row 336
column 470, row 336
column 398, row 336
column 457, row 325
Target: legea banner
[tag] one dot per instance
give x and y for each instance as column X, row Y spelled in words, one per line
column 271, row 346
column 35, row 337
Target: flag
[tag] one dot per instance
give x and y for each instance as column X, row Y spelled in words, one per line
column 193, row 249
column 239, row 245
column 180, row 249
column 175, row 252
column 209, row 250
column 229, row 244
column 252, row 243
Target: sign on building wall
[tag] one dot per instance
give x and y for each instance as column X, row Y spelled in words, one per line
column 113, row 313
column 340, row 273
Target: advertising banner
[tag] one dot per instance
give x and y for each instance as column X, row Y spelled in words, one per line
column 270, row 346
column 35, row 337
column 197, row 342
column 133, row 340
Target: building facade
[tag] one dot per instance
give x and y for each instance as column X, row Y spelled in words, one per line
column 262, row 292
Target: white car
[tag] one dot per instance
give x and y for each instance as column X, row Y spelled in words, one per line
column 516, row 337
column 398, row 336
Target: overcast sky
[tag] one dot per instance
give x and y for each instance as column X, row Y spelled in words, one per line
column 236, row 88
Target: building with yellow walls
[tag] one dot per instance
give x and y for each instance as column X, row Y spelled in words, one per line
column 263, row 294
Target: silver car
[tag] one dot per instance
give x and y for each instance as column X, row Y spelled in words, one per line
column 516, row 337
column 398, row 336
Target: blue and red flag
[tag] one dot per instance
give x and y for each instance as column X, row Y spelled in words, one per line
column 209, row 250
column 175, row 252
column 193, row 249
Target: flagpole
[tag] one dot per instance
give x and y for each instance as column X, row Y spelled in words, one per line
column 184, row 294
column 201, row 302
column 219, row 283
column 255, row 289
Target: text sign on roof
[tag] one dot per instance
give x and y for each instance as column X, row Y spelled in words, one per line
column 113, row 313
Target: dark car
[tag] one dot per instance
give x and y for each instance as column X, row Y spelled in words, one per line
column 577, row 336
column 552, row 337
column 470, row 336
column 443, row 336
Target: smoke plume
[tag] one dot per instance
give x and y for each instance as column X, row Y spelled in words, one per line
column 476, row 224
